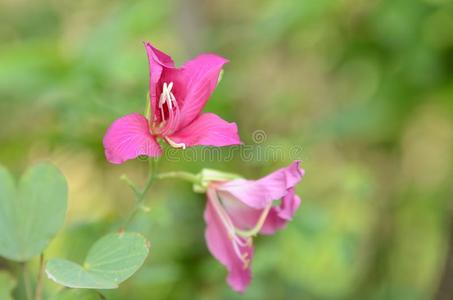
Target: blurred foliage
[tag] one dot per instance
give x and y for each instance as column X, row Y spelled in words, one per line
column 364, row 86
column 7, row 284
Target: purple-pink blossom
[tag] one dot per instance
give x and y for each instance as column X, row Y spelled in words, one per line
column 239, row 209
column 177, row 98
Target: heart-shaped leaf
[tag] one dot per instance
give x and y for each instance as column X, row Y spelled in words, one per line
column 32, row 213
column 110, row 261
column 7, row 283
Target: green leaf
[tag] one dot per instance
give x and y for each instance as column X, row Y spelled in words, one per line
column 110, row 261
column 32, row 213
column 73, row 275
column 76, row 295
column 7, row 284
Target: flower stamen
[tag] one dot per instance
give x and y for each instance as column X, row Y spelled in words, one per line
column 166, row 97
column 259, row 224
column 169, row 114
column 237, row 242
column 174, row 144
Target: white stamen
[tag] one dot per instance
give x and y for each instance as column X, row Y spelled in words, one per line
column 236, row 241
column 259, row 224
column 169, row 87
column 166, row 97
column 174, row 144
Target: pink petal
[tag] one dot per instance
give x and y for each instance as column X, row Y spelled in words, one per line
column 290, row 203
column 260, row 193
column 208, row 130
column 201, row 75
column 221, row 247
column 129, row 137
column 245, row 217
column 279, row 216
column 158, row 60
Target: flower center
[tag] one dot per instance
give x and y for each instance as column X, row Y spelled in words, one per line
column 169, row 115
column 167, row 98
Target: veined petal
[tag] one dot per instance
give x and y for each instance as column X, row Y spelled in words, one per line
column 260, row 193
column 201, row 75
column 279, row 216
column 208, row 130
column 158, row 60
column 129, row 137
column 243, row 217
column 220, row 244
column 247, row 218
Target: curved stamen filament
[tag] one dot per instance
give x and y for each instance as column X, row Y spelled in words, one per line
column 243, row 243
column 221, row 212
column 174, row 144
column 257, row 228
column 169, row 116
column 166, row 97
column 237, row 242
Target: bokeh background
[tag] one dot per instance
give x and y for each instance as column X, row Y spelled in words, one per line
column 363, row 88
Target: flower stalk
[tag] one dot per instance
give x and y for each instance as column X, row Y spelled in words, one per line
column 153, row 175
column 187, row 176
column 39, row 284
column 140, row 193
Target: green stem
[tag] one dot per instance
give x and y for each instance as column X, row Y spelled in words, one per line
column 152, row 176
column 39, row 284
column 130, row 184
column 140, row 193
column 102, row 297
column 179, row 175
column 26, row 281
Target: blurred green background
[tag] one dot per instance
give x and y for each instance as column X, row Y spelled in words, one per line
column 365, row 87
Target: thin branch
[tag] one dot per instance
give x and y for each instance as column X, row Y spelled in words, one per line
column 102, row 297
column 140, row 194
column 179, row 175
column 445, row 289
column 28, row 292
column 40, row 282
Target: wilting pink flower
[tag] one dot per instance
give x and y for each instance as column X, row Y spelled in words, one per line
column 239, row 209
column 177, row 97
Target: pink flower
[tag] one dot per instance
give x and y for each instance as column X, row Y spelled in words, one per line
column 177, row 97
column 239, row 209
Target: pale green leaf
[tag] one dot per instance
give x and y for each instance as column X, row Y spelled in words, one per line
column 32, row 213
column 73, row 275
column 110, row 261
